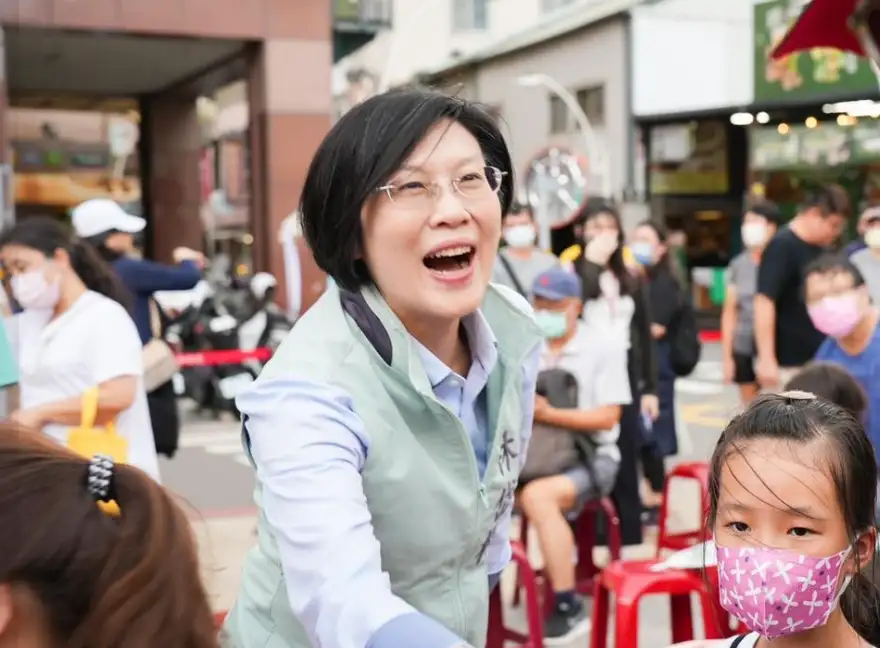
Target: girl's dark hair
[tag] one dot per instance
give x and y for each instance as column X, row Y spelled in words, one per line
column 800, row 420
column 99, row 242
column 47, row 235
column 833, row 383
column 663, row 263
column 362, row 151
column 593, row 208
column 103, row 582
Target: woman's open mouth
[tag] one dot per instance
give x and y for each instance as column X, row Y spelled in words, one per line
column 451, row 263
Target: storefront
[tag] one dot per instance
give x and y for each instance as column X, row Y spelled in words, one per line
column 785, row 162
column 226, row 202
column 813, row 120
column 695, row 174
column 688, row 77
column 51, row 177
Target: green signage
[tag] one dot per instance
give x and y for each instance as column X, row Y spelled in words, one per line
column 827, row 145
column 815, row 75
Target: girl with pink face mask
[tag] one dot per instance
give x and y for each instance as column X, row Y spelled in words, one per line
column 794, row 525
column 840, row 307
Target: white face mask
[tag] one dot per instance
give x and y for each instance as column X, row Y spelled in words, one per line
column 754, row 234
column 33, row 292
column 520, row 236
column 872, row 238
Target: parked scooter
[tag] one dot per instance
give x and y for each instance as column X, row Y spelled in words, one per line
column 267, row 325
column 227, row 319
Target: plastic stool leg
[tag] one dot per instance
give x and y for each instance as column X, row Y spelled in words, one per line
column 495, row 635
column 533, row 608
column 626, row 626
column 599, row 617
column 682, row 618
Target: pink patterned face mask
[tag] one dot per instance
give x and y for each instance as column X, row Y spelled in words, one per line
column 776, row 592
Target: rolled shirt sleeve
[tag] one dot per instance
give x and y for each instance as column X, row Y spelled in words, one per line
column 309, row 448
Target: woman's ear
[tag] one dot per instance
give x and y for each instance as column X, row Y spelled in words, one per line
column 61, row 257
column 866, row 548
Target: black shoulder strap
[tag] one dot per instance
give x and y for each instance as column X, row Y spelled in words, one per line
column 509, row 269
column 738, row 641
column 354, row 304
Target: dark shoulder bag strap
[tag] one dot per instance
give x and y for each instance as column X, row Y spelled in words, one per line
column 738, row 641
column 509, row 269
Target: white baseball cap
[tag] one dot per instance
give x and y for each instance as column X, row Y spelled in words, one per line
column 102, row 215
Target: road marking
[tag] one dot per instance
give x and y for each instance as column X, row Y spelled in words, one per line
column 220, row 443
column 701, row 415
column 202, row 439
column 698, row 388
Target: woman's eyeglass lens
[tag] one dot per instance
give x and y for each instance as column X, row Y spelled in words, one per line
column 416, row 194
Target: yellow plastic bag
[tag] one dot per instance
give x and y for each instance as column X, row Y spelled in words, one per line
column 89, row 440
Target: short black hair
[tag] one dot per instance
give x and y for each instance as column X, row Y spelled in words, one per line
column 832, row 263
column 518, row 209
column 361, row 152
column 833, row 383
column 769, row 211
column 831, row 199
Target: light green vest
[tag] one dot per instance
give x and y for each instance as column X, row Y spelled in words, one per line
column 430, row 511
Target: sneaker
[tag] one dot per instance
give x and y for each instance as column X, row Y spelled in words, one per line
column 563, row 626
column 651, row 516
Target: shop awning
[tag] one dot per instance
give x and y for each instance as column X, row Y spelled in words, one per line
column 823, row 23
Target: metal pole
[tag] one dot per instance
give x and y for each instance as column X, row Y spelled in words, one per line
column 595, row 151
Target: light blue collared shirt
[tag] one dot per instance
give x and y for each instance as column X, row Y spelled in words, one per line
column 310, row 447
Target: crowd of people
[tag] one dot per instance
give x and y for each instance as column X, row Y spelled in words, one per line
column 437, row 388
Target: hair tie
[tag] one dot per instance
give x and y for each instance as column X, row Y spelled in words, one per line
column 797, row 395
column 100, row 478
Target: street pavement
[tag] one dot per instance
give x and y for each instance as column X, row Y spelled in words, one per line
column 214, row 479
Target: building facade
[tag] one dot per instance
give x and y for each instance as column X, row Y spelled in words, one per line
column 584, row 48
column 157, row 59
column 429, row 34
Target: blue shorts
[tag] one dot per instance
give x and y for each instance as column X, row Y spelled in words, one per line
column 592, row 484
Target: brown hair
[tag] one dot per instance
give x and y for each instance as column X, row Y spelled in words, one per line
column 126, row 582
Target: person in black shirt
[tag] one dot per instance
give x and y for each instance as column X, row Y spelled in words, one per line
column 786, row 338
column 650, row 247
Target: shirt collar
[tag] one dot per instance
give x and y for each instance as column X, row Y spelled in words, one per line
column 483, row 347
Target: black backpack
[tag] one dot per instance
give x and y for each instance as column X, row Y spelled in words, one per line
column 684, row 340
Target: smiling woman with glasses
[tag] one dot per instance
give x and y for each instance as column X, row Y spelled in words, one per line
column 388, row 431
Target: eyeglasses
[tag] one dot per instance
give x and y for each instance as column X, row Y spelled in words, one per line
column 417, row 195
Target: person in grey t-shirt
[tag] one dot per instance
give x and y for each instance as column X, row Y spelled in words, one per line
column 520, row 262
column 738, row 314
column 867, row 260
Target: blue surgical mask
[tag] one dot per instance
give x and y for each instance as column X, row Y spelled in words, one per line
column 643, row 253
column 553, row 324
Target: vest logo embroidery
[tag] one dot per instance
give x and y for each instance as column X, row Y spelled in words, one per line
column 507, row 456
column 507, row 453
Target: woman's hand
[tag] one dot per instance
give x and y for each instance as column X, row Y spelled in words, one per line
column 658, row 331
column 188, row 254
column 651, row 406
column 600, row 248
column 32, row 419
column 728, row 369
column 542, row 405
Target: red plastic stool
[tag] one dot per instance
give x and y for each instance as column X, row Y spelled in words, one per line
column 498, row 633
column 630, row 581
column 585, row 540
column 695, row 471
